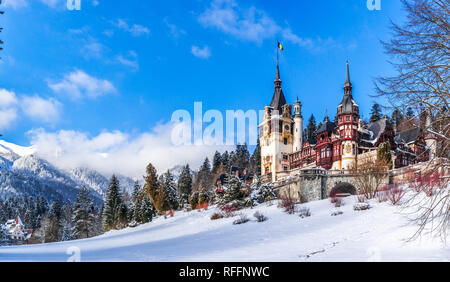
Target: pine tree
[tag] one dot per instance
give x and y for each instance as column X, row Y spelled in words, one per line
column 136, row 192
column 217, row 160
column 168, row 193
column 138, row 211
column 233, row 194
column 66, row 222
column 113, row 203
column 53, row 230
column 226, row 161
column 147, row 210
column 397, row 117
column 375, row 113
column 241, row 157
column 151, row 185
column 185, row 185
column 203, row 197
column 255, row 160
column 204, row 175
column 83, row 215
column 311, row 129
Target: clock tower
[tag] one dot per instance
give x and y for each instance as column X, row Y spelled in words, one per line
column 348, row 120
column 276, row 133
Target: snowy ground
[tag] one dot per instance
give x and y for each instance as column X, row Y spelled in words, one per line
column 375, row 235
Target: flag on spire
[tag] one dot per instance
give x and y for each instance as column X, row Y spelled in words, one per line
column 280, row 46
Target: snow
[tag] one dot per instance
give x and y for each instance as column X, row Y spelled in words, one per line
column 6, row 147
column 377, row 234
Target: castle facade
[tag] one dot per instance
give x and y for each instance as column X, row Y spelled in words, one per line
column 338, row 146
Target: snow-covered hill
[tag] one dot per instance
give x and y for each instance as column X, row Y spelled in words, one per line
column 23, row 173
column 378, row 234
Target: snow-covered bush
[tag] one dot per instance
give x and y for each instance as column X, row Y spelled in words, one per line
column 337, row 202
column 361, row 206
column 264, row 193
column 260, row 217
column 361, row 198
column 241, row 220
column 336, row 213
column 304, row 212
column 234, row 194
column 217, row 216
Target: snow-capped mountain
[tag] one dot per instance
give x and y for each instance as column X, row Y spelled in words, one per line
column 23, row 173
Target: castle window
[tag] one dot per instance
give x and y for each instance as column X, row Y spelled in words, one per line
column 286, row 168
column 285, row 141
column 285, row 157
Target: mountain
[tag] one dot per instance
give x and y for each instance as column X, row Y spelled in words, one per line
column 23, row 173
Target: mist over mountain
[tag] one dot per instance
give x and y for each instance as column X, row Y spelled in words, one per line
column 23, row 173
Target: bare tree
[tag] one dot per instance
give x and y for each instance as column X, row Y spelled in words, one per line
column 420, row 54
column 369, row 177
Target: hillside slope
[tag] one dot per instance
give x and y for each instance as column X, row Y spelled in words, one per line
column 375, row 235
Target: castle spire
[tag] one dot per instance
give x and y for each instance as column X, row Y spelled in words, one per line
column 348, row 85
column 278, row 100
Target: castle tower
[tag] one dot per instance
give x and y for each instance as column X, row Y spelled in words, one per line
column 298, row 126
column 348, row 121
column 276, row 133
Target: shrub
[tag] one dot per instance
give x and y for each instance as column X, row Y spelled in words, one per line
column 260, row 217
column 228, row 210
column 203, row 206
column 304, row 212
column 361, row 198
column 287, row 203
column 336, row 213
column 216, row 216
column 395, row 195
column 338, row 202
column 361, row 206
column 241, row 220
column 382, row 196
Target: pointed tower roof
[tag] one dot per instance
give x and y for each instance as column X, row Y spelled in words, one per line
column 278, row 100
column 348, row 102
column 347, row 78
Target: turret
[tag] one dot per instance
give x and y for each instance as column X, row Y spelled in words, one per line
column 298, row 126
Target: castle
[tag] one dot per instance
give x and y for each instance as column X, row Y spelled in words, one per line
column 342, row 146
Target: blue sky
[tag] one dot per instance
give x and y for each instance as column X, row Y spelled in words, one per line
column 121, row 68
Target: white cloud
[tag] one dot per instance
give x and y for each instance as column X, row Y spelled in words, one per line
column 54, row 3
column 250, row 24
column 130, row 60
column 41, row 109
column 15, row 4
column 8, row 108
column 135, row 29
column 35, row 107
column 203, row 53
column 93, row 50
column 78, row 85
column 117, row 152
column 7, row 98
column 7, row 117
